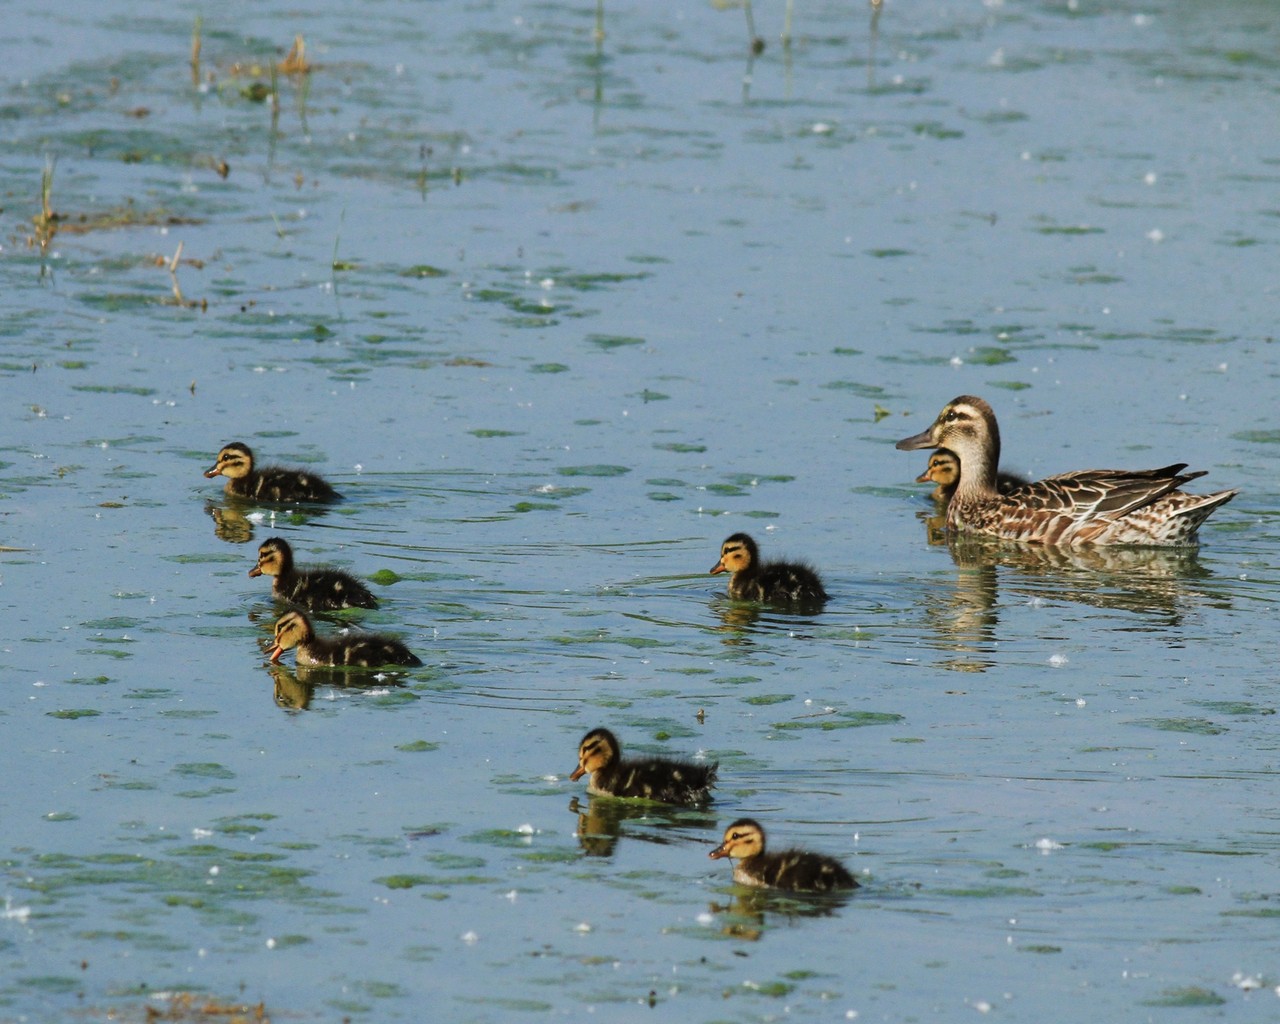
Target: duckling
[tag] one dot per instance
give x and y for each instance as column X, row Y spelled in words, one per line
column 1093, row 506
column 771, row 582
column 650, row 778
column 270, row 483
column 320, row 589
column 791, row 870
column 944, row 470
column 365, row 650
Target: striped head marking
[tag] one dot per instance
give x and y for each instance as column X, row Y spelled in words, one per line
column 234, row 462
column 292, row 628
column 274, row 557
column 737, row 553
column 743, row 839
column 943, row 469
column 598, row 749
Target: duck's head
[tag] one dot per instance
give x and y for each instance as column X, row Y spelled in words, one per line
column 598, row 748
column 274, row 557
column 967, row 426
column 234, row 461
column 292, row 628
column 943, row 469
column 736, row 553
column 744, row 838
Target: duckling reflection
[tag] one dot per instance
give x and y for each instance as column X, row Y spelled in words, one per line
column 229, row 524
column 746, row 916
column 267, row 483
column 294, row 691
column 601, row 820
column 288, row 691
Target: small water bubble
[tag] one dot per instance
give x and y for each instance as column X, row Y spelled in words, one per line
column 470, row 938
column 1155, row 235
column 271, row 943
column 1058, row 660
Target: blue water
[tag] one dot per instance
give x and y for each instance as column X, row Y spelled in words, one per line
column 557, row 320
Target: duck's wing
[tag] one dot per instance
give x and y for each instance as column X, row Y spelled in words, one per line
column 1101, row 493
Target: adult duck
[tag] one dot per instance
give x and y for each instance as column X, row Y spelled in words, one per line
column 1094, row 506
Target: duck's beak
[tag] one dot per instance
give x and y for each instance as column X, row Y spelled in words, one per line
column 923, row 478
column 924, row 439
column 577, row 773
column 718, row 852
column 275, row 654
column 212, row 471
column 257, row 571
column 718, row 567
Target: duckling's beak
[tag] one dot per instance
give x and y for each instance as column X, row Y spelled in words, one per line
column 212, row 471
column 923, row 478
column 275, row 654
column 718, row 567
column 718, row 852
column 924, row 439
column 577, row 773
column 257, row 569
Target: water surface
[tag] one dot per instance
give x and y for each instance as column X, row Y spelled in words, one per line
column 558, row 316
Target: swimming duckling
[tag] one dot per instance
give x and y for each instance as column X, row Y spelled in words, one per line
column 650, row 778
column 1092, row 506
column 270, row 483
column 320, row 589
column 770, row 582
column 360, row 650
column 791, row 870
column 944, row 470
